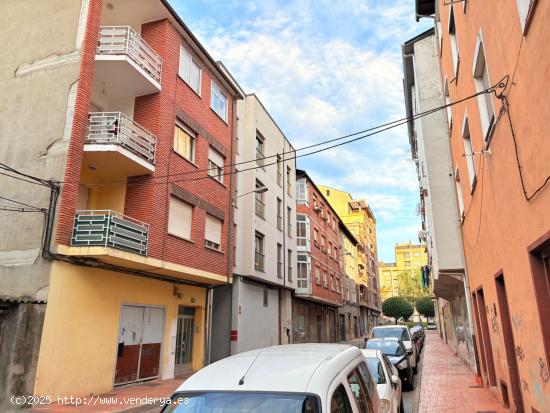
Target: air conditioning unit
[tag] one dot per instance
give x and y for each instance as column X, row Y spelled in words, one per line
column 317, row 208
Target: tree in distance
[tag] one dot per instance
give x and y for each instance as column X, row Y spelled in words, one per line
column 397, row 307
column 425, row 307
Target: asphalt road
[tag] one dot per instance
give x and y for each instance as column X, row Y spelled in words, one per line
column 411, row 398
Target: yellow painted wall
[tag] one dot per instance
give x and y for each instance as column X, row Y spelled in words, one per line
column 79, row 340
column 107, row 197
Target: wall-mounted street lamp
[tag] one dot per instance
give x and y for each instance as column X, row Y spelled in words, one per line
column 259, row 190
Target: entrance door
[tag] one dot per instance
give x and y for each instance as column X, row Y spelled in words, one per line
column 139, row 343
column 342, row 325
column 184, row 340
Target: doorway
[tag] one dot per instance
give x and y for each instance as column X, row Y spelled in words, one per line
column 509, row 343
column 139, row 343
column 342, row 325
column 184, row 340
column 485, row 337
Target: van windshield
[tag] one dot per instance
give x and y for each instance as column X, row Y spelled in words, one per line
column 400, row 333
column 242, row 402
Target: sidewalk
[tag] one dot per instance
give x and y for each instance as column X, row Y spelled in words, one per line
column 127, row 399
column 448, row 385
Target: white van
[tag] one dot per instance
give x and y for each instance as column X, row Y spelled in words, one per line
column 301, row 378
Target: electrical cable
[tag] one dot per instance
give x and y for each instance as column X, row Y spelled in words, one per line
column 502, row 84
column 20, row 203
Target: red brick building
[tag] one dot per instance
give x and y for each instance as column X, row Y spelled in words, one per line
column 144, row 224
column 318, row 293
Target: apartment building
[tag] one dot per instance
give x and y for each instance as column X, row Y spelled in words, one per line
column 499, row 154
column 359, row 218
column 410, row 262
column 318, row 295
column 140, row 128
column 349, row 314
column 265, row 268
column 430, row 149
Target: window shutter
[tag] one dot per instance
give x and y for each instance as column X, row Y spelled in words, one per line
column 180, row 218
column 215, row 156
column 213, row 229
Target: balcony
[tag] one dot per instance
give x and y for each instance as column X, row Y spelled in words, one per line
column 116, row 147
column 303, row 284
column 125, row 65
column 109, row 229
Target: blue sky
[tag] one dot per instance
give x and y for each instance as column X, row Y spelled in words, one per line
column 325, row 69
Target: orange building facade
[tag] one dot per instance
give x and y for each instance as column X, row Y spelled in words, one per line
column 500, row 158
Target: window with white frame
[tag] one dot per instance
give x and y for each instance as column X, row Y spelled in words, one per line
column 448, row 102
column 482, row 82
column 279, row 261
column 260, row 157
column 180, row 218
column 184, row 142
column 316, row 236
column 318, row 275
column 279, row 169
column 260, row 200
column 525, row 9
column 454, row 40
column 289, row 180
column 325, row 276
column 301, row 192
column 289, row 221
column 279, row 214
column 459, row 196
column 189, row 70
column 329, row 248
column 259, row 251
column 218, row 102
column 304, row 265
column 323, row 242
column 469, row 152
column 213, row 232
column 215, row 164
column 332, row 282
column 302, row 231
column 289, row 265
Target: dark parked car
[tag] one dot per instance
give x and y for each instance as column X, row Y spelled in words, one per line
column 417, row 333
column 395, row 350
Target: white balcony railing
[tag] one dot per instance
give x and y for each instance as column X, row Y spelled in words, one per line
column 115, row 128
column 123, row 40
column 109, row 229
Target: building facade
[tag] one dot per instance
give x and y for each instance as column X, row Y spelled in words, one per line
column 143, row 230
column 265, row 217
column 315, row 316
column 396, row 278
column 500, row 155
column 359, row 218
column 430, row 149
column 351, row 286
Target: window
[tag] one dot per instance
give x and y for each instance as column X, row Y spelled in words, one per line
column 260, row 200
column 218, row 102
column 416, row 254
column 266, row 297
column 190, row 71
column 301, row 192
column 359, row 391
column 279, row 261
column 482, row 82
column 289, row 181
column 302, row 277
column 367, row 378
column 316, row 236
column 331, row 282
column 459, row 195
column 323, row 242
column 260, row 150
column 302, row 231
column 448, row 102
column 235, row 245
column 330, row 248
column 289, row 221
column 213, row 232
column 339, row 403
column 215, row 164
column 325, row 280
column 279, row 214
column 184, row 142
column 337, row 284
column 454, row 41
column 469, row 153
column 180, row 217
column 279, row 172
column 289, row 265
column 259, row 252
column 525, row 10
column 318, row 275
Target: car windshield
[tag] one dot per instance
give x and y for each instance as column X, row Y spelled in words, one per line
column 390, row 348
column 400, row 333
column 242, row 402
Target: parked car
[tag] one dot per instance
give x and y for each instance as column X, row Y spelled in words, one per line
column 397, row 354
column 431, row 326
column 301, row 378
column 388, row 384
column 418, row 337
column 403, row 334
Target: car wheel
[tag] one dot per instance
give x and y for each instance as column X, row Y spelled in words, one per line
column 415, row 369
column 401, row 407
